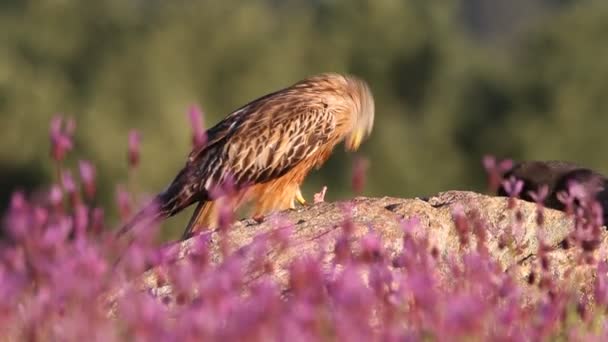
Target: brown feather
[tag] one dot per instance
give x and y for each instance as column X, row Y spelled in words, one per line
column 268, row 146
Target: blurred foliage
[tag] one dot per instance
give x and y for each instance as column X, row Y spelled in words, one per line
column 443, row 99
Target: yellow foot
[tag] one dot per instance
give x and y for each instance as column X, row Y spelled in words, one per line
column 299, row 197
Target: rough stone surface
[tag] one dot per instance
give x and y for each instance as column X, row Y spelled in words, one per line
column 315, row 228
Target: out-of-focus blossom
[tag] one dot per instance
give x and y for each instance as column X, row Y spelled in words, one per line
column 461, row 223
column 371, row 247
column 601, row 284
column 18, row 201
column 320, row 196
column 97, row 220
column 373, row 286
column 134, row 146
column 81, row 219
column 495, row 171
column 513, row 186
column 17, row 220
column 464, row 315
column 87, row 176
column 55, row 195
column 540, row 195
column 123, row 199
column 61, row 138
column 67, row 181
column 199, row 136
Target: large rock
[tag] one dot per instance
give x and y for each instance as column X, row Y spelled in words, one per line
column 315, row 229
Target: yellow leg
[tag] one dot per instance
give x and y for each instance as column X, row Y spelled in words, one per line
column 299, row 197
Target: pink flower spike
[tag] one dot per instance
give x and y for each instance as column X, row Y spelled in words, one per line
column 320, row 196
column 67, row 181
column 199, row 136
column 87, row 175
column 123, row 198
column 513, row 186
column 134, row 142
column 81, row 219
column 55, row 126
column 18, row 201
column 55, row 195
column 97, row 220
column 61, row 143
column 540, row 195
column 411, row 224
column 577, row 190
column 41, row 216
column 371, row 247
column 505, row 165
column 489, row 163
column 495, row 170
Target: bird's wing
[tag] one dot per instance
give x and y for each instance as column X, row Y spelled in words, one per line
column 263, row 140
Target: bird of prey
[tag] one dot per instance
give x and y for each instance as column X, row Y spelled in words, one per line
column 557, row 176
column 266, row 148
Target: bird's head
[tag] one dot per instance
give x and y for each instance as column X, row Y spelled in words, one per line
column 363, row 115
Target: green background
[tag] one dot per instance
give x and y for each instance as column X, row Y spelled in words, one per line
column 453, row 80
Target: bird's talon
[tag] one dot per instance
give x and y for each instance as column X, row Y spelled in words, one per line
column 300, row 198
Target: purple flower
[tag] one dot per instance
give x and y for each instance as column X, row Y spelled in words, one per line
column 461, row 223
column 320, row 196
column 371, row 247
column 61, row 140
column 411, row 225
column 97, row 220
column 134, row 142
column 18, row 201
column 123, row 199
column 87, row 175
column 513, row 186
column 17, row 219
column 540, row 195
column 81, row 219
column 50, row 265
column 67, row 181
column 601, row 284
column 55, row 195
column 464, row 314
column 199, row 136
column 495, row 170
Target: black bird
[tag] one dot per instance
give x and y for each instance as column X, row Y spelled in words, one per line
column 557, row 175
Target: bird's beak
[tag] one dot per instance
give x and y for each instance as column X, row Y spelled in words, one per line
column 354, row 140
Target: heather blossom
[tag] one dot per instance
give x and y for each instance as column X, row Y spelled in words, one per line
column 61, row 137
column 134, row 142
column 199, row 136
column 59, row 278
column 495, row 171
column 320, row 196
column 87, row 176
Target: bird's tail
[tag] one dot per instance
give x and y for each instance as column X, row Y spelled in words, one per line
column 179, row 195
column 205, row 215
column 152, row 212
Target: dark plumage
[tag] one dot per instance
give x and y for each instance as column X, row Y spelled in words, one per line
column 556, row 175
column 267, row 147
